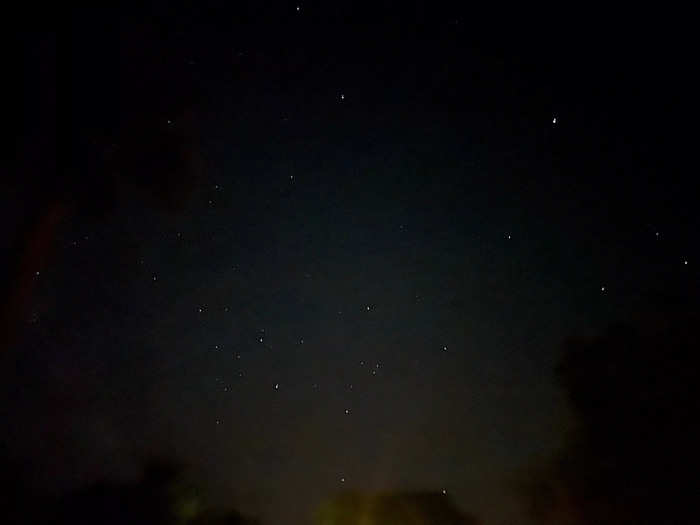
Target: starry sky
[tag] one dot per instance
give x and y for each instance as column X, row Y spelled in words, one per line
column 307, row 248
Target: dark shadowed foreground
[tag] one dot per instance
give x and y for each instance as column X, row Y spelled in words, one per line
column 633, row 456
column 398, row 508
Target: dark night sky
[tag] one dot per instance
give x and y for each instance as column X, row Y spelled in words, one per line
column 357, row 251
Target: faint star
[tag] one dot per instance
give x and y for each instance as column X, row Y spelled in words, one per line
column 342, row 96
column 602, row 288
column 444, row 491
column 298, row 9
column 445, row 348
column 685, row 262
column 277, row 386
column 347, row 411
column 554, row 120
column 342, row 480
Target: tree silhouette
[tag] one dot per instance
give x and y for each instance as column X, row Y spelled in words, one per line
column 633, row 456
column 391, row 508
column 161, row 497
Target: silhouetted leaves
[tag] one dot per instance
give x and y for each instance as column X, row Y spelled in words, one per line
column 633, row 457
column 161, row 496
column 392, row 508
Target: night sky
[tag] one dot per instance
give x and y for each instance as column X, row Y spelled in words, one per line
column 306, row 248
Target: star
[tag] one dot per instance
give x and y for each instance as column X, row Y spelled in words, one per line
column 554, row 120
column 445, row 348
column 602, row 288
column 277, row 386
column 684, row 262
column 298, row 8
column 347, row 411
column 342, row 96
column 342, row 480
column 444, row 492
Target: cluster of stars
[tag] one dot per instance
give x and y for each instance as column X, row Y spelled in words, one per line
column 367, row 307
